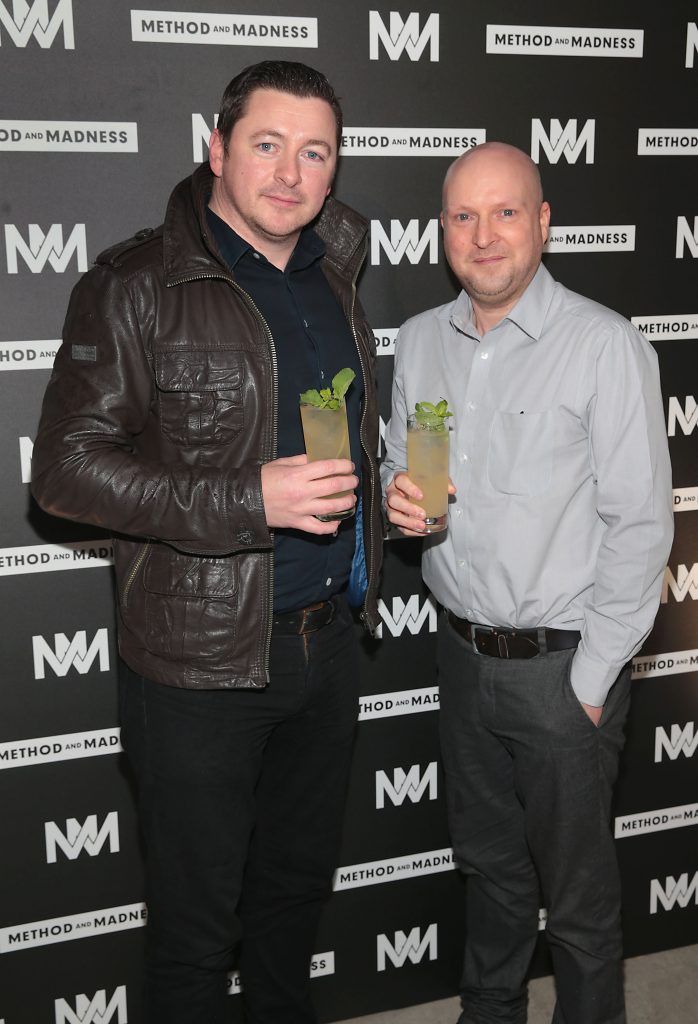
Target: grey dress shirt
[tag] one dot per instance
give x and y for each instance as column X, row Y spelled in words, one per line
column 563, row 511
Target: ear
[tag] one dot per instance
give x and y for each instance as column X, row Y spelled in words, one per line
column 544, row 219
column 216, row 152
column 441, row 218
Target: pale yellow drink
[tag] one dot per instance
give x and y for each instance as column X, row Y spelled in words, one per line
column 427, row 467
column 327, row 437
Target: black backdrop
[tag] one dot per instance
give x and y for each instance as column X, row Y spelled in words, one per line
column 104, row 108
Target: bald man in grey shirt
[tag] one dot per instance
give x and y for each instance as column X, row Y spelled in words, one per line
column 550, row 575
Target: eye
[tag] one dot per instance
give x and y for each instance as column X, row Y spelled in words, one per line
column 266, row 147
column 313, row 155
column 462, row 217
column 507, row 212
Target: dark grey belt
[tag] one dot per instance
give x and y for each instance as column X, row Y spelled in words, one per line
column 497, row 642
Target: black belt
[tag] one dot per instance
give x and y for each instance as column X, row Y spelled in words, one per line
column 514, row 643
column 305, row 620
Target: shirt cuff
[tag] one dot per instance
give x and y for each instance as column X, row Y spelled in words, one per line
column 591, row 680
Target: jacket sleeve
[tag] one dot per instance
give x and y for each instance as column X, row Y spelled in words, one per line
column 630, row 460
column 86, row 464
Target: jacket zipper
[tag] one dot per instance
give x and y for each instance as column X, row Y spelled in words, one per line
column 275, row 401
column 138, row 561
column 361, row 427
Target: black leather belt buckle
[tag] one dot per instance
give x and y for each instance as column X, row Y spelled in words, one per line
column 504, row 644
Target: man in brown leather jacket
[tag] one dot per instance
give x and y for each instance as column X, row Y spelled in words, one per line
column 171, row 418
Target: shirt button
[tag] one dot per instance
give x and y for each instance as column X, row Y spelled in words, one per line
column 468, row 612
column 256, row 255
column 471, row 406
column 463, row 457
column 306, row 324
column 461, row 563
column 484, row 355
column 328, row 581
column 459, row 511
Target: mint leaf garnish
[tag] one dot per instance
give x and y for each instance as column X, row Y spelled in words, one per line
column 432, row 416
column 330, row 398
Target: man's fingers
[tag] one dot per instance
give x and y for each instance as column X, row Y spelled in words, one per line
column 330, row 485
column 402, row 483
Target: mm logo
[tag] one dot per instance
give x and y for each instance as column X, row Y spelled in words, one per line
column 410, row 947
column 200, row 134
column 691, row 43
column 403, row 36
column 679, row 890
column 684, row 584
column 404, row 242
column 407, row 615
column 685, row 236
column 685, row 417
column 33, row 19
column 561, row 141
column 410, row 784
column 683, row 740
column 77, row 837
column 95, row 1010
column 45, row 248
column 67, row 654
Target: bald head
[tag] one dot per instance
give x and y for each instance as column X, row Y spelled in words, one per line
column 495, row 226
column 491, row 156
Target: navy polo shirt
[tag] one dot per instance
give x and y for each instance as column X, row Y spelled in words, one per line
column 312, row 341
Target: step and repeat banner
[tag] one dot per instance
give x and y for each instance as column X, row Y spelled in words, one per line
column 105, row 107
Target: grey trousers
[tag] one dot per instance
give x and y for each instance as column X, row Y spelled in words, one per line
column 529, row 781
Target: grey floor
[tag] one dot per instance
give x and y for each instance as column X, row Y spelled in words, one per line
column 659, row 989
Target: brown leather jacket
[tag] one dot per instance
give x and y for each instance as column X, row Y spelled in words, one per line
column 157, row 419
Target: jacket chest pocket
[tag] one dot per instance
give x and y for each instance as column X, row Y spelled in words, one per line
column 521, row 450
column 200, row 396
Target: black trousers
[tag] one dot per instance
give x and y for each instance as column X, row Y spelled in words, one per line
column 241, row 797
column 529, row 780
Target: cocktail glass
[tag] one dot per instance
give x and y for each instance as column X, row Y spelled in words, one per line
column 427, row 467
column 327, row 437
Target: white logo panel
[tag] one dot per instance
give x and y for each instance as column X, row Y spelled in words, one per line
column 670, row 664
column 222, row 29
column 682, row 585
column 321, row 966
column 66, row 747
column 400, row 36
column 394, row 869
column 34, row 18
column 563, row 141
column 78, row 554
column 385, row 343
column 43, row 248
column 76, row 926
column 656, row 821
column 69, row 136
column 592, row 238
column 691, row 43
column 410, row 141
column 411, row 784
column 404, row 947
column 661, row 328
column 686, row 237
column 685, row 499
column 682, row 739
column 673, row 891
column 28, row 355
column 399, row 702
column 667, row 142
column 408, row 615
column 66, row 654
column 88, row 836
column 563, row 41
column 683, row 416
column 404, row 242
column 95, row 1010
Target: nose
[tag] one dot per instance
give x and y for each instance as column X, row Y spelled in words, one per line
column 288, row 170
column 483, row 236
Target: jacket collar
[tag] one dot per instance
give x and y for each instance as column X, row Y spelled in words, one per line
column 189, row 249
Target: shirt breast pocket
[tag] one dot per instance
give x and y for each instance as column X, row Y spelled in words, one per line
column 521, row 451
column 200, row 396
